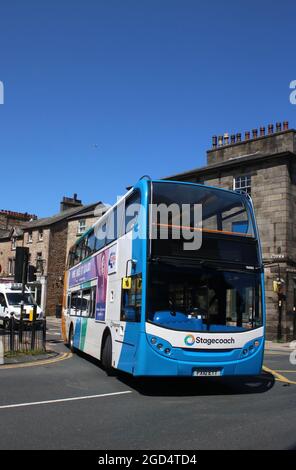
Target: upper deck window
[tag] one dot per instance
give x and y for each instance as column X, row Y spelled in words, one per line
column 222, row 211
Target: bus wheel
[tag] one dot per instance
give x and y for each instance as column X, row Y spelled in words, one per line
column 71, row 340
column 107, row 355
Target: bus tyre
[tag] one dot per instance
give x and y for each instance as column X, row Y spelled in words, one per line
column 71, row 340
column 107, row 355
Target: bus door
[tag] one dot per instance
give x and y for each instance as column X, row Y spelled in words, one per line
column 127, row 335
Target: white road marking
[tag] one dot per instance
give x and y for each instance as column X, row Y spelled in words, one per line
column 61, row 400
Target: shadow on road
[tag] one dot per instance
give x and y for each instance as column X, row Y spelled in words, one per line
column 187, row 386
column 198, row 387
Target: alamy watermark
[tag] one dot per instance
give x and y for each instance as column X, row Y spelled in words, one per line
column 174, row 221
column 1, row 93
column 293, row 93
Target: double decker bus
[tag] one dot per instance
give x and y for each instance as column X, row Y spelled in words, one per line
column 143, row 304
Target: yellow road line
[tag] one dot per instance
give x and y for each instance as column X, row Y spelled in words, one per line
column 278, row 377
column 286, row 371
column 42, row 362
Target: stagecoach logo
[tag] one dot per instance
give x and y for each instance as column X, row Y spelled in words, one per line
column 189, row 340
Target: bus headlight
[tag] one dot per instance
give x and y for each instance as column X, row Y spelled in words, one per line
column 161, row 346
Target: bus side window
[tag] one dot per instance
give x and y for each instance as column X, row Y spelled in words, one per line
column 92, row 302
column 77, row 255
column 132, row 210
column 100, row 233
column 131, row 301
column 69, row 303
column 91, row 241
column 112, row 227
column 85, row 301
column 76, row 303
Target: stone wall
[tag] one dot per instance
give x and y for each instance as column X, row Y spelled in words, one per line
column 38, row 246
column 56, row 265
column 6, row 253
column 268, row 145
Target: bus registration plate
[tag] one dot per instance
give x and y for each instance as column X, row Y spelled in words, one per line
column 206, row 372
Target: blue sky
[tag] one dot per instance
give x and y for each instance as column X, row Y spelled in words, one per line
column 100, row 92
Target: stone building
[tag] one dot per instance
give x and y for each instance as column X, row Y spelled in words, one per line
column 264, row 165
column 79, row 223
column 10, row 219
column 48, row 240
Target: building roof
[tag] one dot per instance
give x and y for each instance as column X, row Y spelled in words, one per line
column 97, row 210
column 276, row 145
column 18, row 215
column 240, row 160
column 4, row 233
column 48, row 221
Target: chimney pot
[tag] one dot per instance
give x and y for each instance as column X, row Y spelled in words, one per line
column 255, row 133
column 220, row 140
column 270, row 129
column 238, row 137
column 232, row 138
column 214, row 141
column 278, row 126
column 226, row 138
column 247, row 135
column 285, row 125
column 262, row 131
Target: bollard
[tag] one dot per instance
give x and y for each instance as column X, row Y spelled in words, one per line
column 11, row 331
column 33, row 328
column 21, row 324
column 1, row 350
column 44, row 334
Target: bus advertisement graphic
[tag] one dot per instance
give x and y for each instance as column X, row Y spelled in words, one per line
column 102, row 270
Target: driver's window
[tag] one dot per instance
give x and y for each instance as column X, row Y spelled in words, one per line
column 2, row 301
column 132, row 301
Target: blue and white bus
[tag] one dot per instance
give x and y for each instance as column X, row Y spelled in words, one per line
column 144, row 305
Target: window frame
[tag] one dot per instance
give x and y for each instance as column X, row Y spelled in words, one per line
column 79, row 250
column 127, row 292
column 91, row 303
column 80, row 231
column 245, row 184
column 134, row 198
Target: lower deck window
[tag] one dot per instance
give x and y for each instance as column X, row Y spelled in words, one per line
column 83, row 302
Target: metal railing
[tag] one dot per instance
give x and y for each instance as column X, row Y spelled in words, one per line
column 24, row 336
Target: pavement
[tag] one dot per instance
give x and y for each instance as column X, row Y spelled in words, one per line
column 278, row 346
column 71, row 404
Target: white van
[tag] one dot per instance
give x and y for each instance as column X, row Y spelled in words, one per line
column 11, row 298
